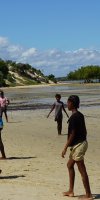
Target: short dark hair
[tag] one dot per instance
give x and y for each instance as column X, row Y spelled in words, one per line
column 75, row 100
column 58, row 95
column 2, row 92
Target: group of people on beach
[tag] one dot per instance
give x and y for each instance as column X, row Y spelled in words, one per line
column 76, row 139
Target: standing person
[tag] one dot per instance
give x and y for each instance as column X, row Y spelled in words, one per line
column 77, row 141
column 1, row 143
column 58, row 106
column 4, row 102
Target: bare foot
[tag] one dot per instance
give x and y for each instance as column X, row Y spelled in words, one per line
column 69, row 194
column 2, row 158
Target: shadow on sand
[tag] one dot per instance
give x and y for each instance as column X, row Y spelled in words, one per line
column 95, row 196
column 16, row 158
column 15, row 122
column 12, row 177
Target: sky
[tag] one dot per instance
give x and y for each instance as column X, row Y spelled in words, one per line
column 55, row 36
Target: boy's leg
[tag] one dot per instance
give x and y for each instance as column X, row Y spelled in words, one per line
column 2, row 148
column 85, row 179
column 59, row 126
column 71, row 171
column 5, row 112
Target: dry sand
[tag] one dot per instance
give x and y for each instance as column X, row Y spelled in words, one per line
column 34, row 169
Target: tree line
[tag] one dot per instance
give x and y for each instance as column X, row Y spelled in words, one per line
column 86, row 73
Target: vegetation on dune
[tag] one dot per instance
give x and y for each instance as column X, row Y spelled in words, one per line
column 13, row 74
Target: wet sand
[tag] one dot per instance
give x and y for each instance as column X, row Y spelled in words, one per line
column 42, row 96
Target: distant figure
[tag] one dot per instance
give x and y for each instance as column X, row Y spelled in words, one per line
column 58, row 106
column 1, row 143
column 77, row 141
column 4, row 102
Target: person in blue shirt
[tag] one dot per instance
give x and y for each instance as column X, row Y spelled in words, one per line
column 1, row 143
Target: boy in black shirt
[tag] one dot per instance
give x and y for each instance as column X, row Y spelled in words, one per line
column 78, row 145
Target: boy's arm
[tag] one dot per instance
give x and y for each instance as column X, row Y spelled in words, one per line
column 68, row 143
column 8, row 101
column 65, row 110
column 51, row 110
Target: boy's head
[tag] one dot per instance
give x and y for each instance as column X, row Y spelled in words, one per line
column 58, row 96
column 74, row 99
column 1, row 93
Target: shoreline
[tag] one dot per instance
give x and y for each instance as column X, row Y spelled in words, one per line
column 42, row 96
column 50, row 85
column 46, row 106
column 28, row 86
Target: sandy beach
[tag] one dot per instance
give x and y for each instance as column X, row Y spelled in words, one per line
column 34, row 168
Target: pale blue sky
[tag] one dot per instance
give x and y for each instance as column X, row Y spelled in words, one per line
column 55, row 36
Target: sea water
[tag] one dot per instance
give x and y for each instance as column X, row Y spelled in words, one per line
column 44, row 96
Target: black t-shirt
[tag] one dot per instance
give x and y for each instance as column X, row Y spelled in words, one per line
column 77, row 124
